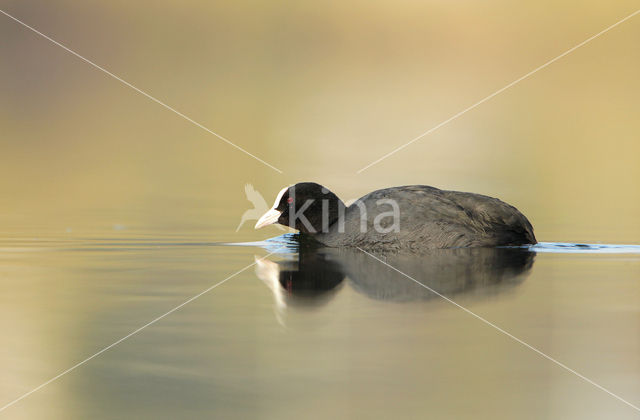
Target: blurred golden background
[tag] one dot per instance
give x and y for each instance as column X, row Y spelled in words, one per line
column 318, row 90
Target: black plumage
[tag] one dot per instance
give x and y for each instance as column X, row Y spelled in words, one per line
column 424, row 218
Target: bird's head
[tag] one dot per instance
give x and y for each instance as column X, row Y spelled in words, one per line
column 306, row 206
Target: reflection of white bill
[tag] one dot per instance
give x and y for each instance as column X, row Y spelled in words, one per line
column 269, row 273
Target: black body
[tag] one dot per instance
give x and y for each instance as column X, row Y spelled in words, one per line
column 427, row 218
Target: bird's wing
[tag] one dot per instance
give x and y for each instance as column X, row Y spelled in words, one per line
column 255, row 197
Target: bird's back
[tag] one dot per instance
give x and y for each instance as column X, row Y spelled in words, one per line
column 429, row 218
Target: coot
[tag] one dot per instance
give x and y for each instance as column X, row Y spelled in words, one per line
column 410, row 218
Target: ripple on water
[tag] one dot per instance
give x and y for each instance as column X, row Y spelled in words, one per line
column 288, row 243
column 575, row 248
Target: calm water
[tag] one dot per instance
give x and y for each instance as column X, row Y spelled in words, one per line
column 113, row 209
column 313, row 335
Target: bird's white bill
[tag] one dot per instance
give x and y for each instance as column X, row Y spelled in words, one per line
column 268, row 218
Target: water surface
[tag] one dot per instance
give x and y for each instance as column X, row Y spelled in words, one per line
column 314, row 335
column 113, row 210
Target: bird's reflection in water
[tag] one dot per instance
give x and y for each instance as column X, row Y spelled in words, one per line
column 313, row 277
column 308, row 280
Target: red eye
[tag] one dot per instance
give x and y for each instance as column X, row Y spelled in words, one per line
column 290, row 200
